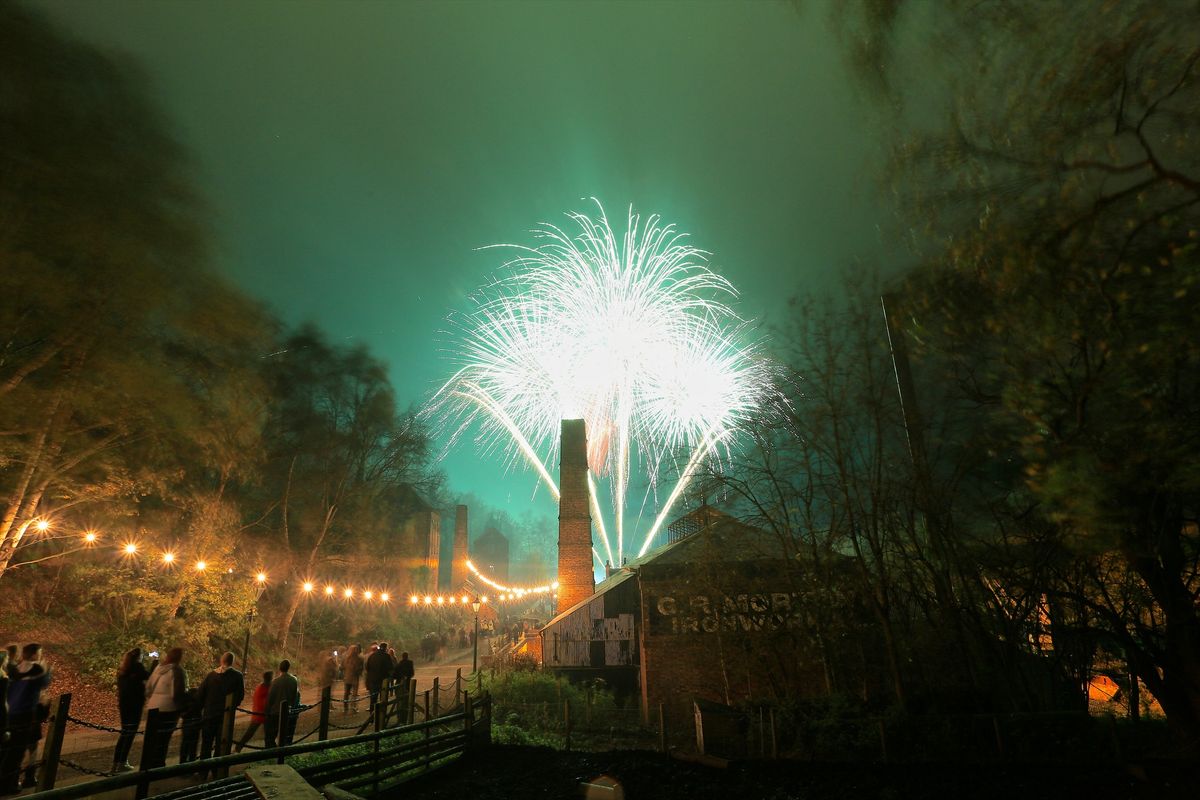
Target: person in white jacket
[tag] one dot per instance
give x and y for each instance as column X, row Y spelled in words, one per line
column 165, row 692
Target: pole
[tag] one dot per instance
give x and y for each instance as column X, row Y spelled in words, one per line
column 300, row 646
column 246, row 644
column 475, row 649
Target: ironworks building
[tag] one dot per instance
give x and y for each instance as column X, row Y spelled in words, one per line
column 717, row 613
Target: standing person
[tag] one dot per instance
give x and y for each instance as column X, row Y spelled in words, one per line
column 258, row 710
column 131, row 699
column 402, row 673
column 284, row 689
column 12, row 659
column 189, row 725
column 404, row 669
column 166, row 691
column 352, row 669
column 26, row 683
column 379, row 669
column 329, row 671
column 217, row 685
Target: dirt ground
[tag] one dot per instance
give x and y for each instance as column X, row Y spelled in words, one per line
column 508, row 771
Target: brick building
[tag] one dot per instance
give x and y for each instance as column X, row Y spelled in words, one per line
column 718, row 613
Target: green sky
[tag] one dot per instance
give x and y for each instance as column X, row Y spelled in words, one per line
column 356, row 154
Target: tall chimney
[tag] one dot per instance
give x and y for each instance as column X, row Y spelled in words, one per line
column 458, row 560
column 575, row 580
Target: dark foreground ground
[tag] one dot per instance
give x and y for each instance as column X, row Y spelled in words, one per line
column 506, row 772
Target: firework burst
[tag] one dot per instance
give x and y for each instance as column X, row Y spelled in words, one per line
column 631, row 334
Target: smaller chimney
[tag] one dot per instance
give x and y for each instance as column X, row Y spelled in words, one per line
column 458, row 561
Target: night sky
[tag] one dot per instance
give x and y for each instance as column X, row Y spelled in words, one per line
column 355, row 155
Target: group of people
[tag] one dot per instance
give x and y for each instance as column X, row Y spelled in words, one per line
column 162, row 692
column 436, row 642
column 380, row 665
column 23, row 679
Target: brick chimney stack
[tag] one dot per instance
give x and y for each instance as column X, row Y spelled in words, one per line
column 458, row 560
column 575, row 579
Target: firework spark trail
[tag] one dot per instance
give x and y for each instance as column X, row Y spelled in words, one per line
column 684, row 479
column 630, row 334
column 599, row 518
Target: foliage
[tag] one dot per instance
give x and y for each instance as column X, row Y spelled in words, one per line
column 123, row 359
column 137, row 401
column 520, row 735
column 1055, row 217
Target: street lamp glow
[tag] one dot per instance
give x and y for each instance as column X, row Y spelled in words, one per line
column 383, row 598
column 441, row 600
column 201, row 565
column 308, row 587
column 89, row 537
column 368, row 595
column 464, row 599
column 428, row 599
column 329, row 591
column 348, row 593
column 261, row 577
column 414, row 599
column 168, row 558
column 130, row 548
column 42, row 525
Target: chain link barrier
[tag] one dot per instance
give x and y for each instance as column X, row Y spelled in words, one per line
column 66, row 762
column 97, row 726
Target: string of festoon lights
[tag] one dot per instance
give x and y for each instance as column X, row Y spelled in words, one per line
column 169, row 559
column 511, row 593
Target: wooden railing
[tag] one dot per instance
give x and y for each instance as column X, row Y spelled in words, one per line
column 392, row 751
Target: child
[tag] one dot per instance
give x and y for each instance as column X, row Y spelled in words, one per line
column 258, row 709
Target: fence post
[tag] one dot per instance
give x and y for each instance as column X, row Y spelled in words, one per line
column 458, row 685
column 662, row 729
column 285, row 712
column 54, row 739
column 883, row 747
column 379, row 716
column 479, row 682
column 567, row 721
column 225, row 740
column 326, row 704
column 427, row 726
column 149, row 751
column 468, row 713
column 412, row 700
column 437, row 696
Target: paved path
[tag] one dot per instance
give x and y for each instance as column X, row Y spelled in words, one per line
column 93, row 749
